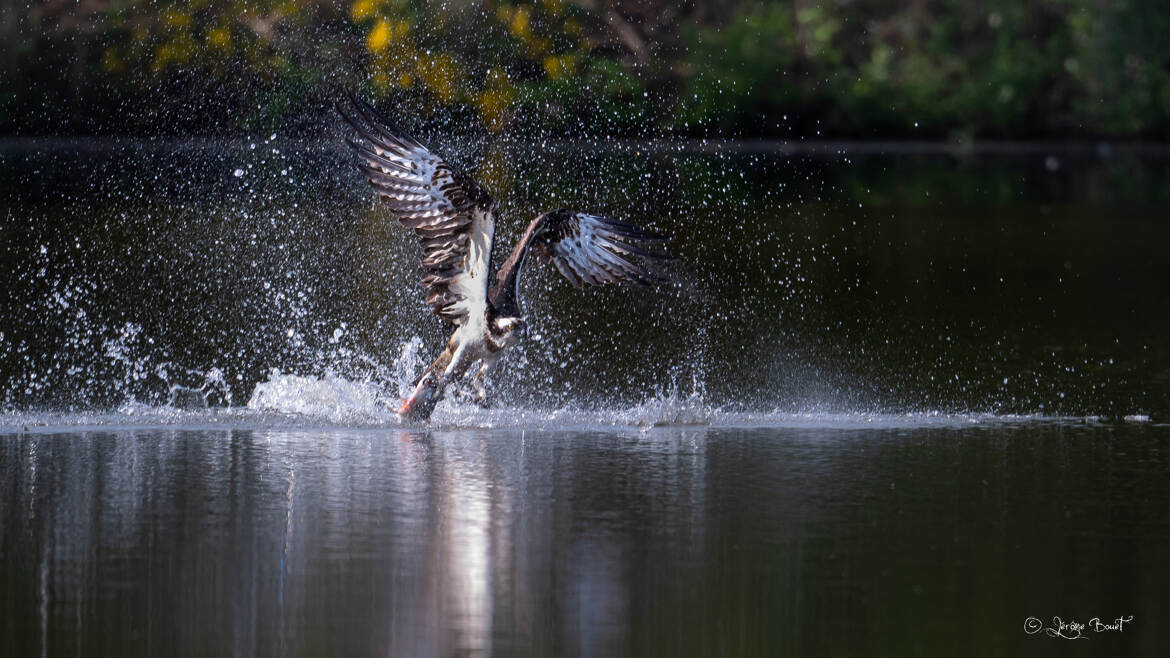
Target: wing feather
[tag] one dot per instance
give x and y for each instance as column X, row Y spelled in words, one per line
column 452, row 216
column 585, row 249
column 595, row 250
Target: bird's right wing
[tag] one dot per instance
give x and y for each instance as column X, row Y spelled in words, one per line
column 452, row 215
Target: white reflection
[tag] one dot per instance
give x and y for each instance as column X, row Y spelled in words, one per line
column 409, row 544
column 465, row 575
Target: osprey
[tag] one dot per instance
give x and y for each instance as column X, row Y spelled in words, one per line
column 455, row 221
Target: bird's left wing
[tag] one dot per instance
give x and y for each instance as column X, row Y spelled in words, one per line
column 586, row 249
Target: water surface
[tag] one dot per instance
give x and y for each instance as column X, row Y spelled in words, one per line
column 828, row 536
column 893, row 404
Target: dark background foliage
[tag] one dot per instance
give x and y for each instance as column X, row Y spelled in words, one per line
column 924, row 69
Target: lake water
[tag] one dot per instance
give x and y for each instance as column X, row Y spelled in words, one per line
column 810, row 536
column 893, row 404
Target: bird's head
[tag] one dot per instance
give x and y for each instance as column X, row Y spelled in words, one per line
column 509, row 327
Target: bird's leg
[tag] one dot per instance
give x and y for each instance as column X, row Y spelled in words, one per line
column 468, row 388
column 477, row 384
column 481, row 379
column 455, row 369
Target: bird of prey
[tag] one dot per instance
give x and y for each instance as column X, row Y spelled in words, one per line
column 455, row 221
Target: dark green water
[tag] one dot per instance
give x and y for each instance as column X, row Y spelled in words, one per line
column 894, row 404
column 832, row 538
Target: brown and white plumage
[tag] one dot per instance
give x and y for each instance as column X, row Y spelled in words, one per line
column 454, row 219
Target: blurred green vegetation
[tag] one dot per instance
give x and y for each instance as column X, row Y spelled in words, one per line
column 953, row 69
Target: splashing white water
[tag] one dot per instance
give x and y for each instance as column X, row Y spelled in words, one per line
column 330, row 398
column 337, row 399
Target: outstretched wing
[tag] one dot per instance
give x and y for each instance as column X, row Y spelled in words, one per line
column 452, row 215
column 585, row 249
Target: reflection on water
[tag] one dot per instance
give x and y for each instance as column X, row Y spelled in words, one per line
column 696, row 541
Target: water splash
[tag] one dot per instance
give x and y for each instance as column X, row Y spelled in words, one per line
column 332, row 398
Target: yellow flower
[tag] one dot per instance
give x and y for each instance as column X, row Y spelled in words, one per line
column 405, row 80
column 439, row 74
column 559, row 66
column 519, row 26
column 492, row 104
column 379, row 37
column 361, row 10
column 220, row 38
